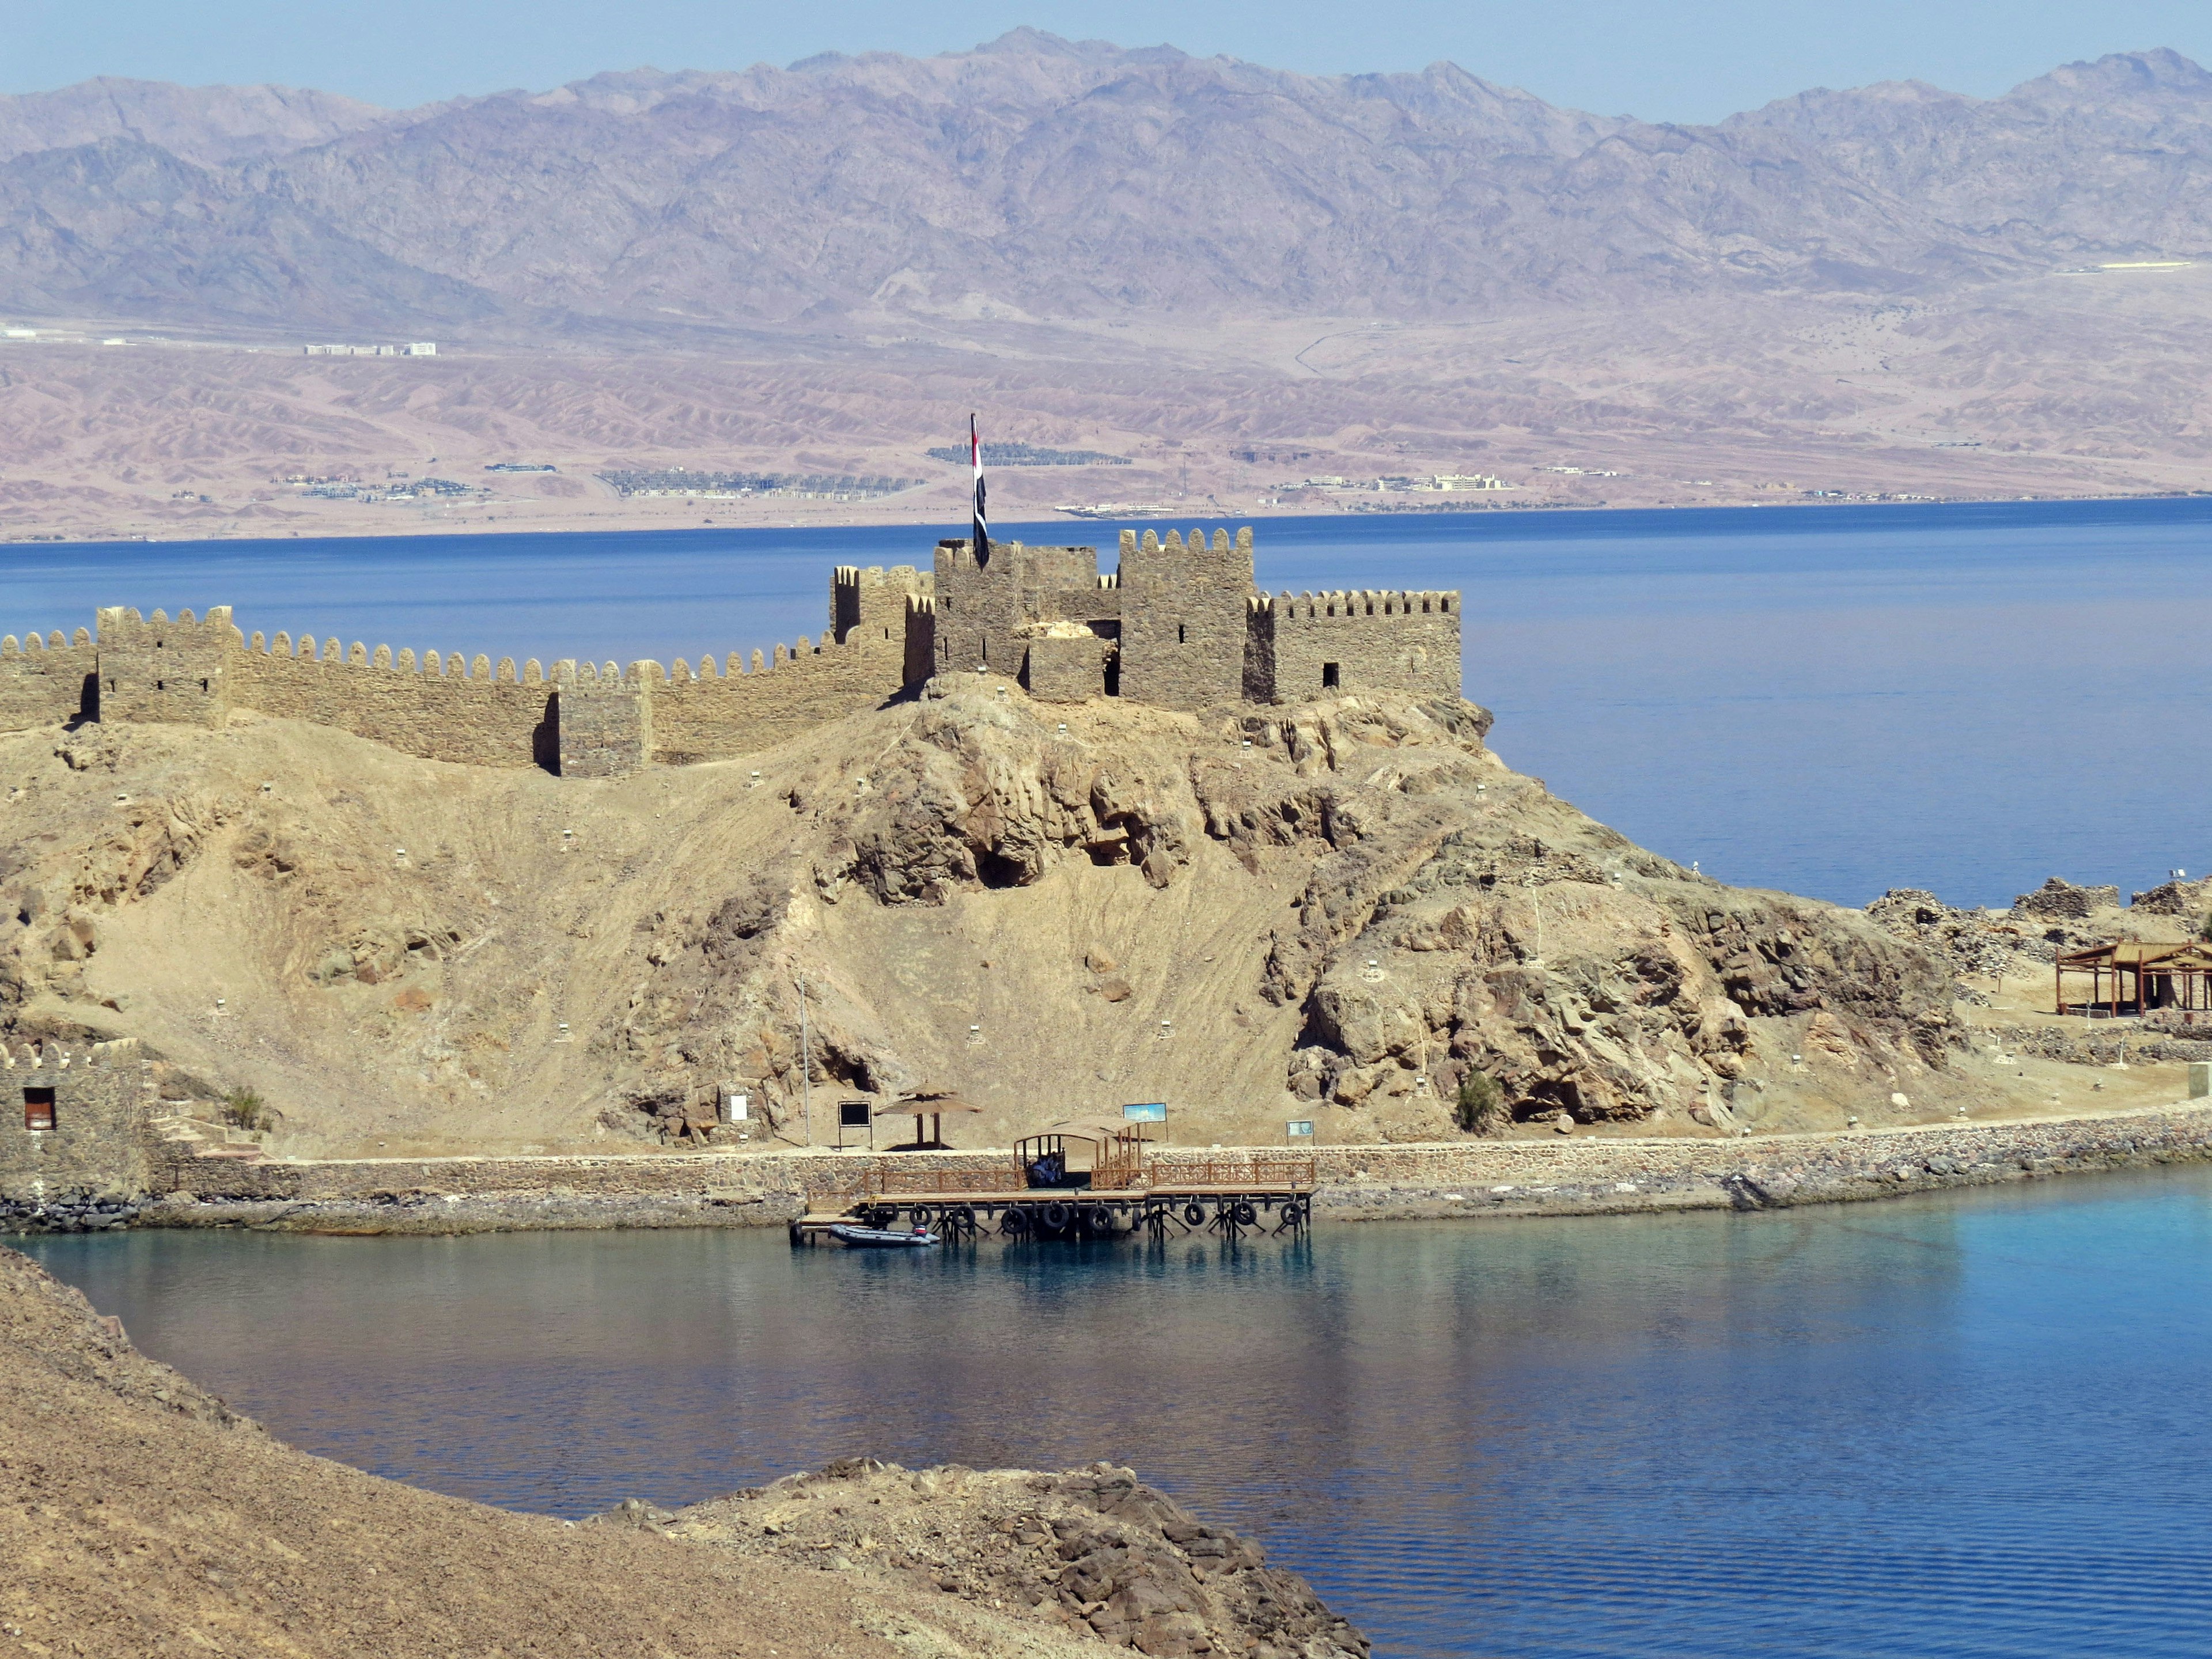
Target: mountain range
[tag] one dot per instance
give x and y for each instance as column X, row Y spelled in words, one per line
column 1039, row 179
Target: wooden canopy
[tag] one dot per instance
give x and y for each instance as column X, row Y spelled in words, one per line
column 2134, row 976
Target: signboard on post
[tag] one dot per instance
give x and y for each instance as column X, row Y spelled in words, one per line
column 1298, row 1129
column 1155, row 1112
column 856, row 1115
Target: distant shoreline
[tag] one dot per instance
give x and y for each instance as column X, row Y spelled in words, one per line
column 1099, row 528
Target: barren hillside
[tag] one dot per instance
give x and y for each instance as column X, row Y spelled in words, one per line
column 1337, row 912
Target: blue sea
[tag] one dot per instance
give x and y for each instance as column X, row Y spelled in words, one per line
column 1963, row 1426
column 1832, row 700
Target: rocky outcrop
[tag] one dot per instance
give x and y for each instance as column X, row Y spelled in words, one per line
column 1092, row 1551
column 2176, row 898
column 1451, row 917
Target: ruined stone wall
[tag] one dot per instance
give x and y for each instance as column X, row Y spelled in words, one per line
column 1183, row 626
column 44, row 680
column 157, row 669
column 442, row 707
column 99, row 1099
column 1377, row 642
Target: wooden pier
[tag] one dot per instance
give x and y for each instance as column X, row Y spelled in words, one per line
column 1126, row 1190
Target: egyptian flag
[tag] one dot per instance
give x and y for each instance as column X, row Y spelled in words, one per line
column 981, row 530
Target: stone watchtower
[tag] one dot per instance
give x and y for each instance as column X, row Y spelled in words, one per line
column 154, row 668
column 1183, row 617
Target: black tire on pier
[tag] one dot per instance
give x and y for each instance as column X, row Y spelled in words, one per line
column 1015, row 1223
column 1246, row 1215
column 1098, row 1219
column 1054, row 1217
column 1194, row 1215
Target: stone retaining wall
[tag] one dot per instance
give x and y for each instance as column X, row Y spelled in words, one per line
column 1584, row 1174
column 2093, row 1047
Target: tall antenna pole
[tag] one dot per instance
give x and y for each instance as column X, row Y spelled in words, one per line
column 805, row 1065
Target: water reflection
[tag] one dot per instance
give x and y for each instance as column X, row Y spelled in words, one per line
column 1961, row 1425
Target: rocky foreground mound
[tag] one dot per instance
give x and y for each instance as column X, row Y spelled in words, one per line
column 143, row 1518
column 1344, row 911
column 1094, row 1552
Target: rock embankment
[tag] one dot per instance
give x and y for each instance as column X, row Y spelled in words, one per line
column 1569, row 1174
column 1092, row 1552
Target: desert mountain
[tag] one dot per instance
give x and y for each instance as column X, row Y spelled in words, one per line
column 1340, row 911
column 1034, row 177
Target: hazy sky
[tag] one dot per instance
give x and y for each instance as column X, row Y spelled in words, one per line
column 1693, row 60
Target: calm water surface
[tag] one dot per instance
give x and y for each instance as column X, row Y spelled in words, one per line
column 1975, row 1424
column 1833, row 700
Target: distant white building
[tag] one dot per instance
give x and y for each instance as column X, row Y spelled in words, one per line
column 418, row 348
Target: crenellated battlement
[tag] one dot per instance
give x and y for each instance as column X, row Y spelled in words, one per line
column 1348, row 603
column 59, row 1057
column 1179, row 625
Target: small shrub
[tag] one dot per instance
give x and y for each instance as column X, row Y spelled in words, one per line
column 1481, row 1106
column 248, row 1110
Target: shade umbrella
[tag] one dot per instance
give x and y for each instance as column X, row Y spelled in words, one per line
column 933, row 1105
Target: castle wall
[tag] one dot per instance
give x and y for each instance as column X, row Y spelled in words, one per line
column 444, row 708
column 713, row 716
column 1375, row 641
column 45, row 682
column 1178, row 626
column 1183, row 611
column 100, row 1100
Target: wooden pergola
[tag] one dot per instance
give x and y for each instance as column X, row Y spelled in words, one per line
column 2130, row 977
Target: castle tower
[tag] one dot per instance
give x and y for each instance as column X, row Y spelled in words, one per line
column 1184, row 606
column 160, row 669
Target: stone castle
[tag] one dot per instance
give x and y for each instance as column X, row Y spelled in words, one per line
column 1178, row 625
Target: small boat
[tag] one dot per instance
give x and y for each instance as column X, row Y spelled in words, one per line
column 880, row 1238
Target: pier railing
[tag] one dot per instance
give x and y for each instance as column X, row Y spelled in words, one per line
column 1296, row 1173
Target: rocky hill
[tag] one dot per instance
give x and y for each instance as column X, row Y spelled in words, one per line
column 1341, row 911
column 148, row 1519
column 1039, row 178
